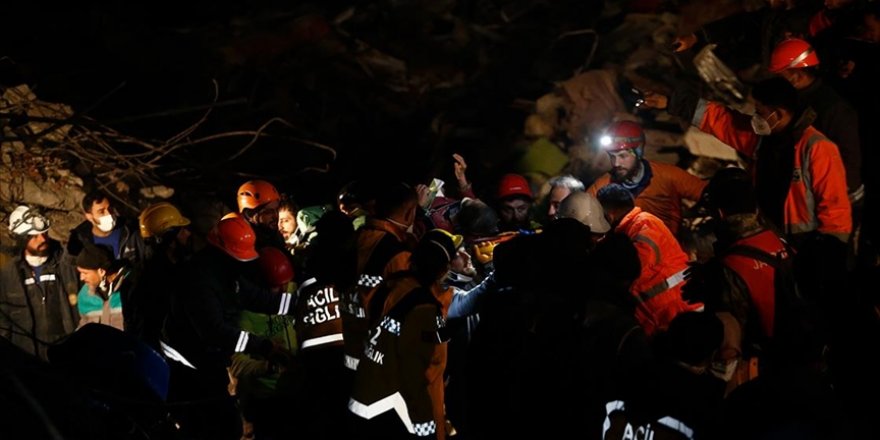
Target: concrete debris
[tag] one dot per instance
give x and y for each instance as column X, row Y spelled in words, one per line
column 20, row 100
column 158, row 191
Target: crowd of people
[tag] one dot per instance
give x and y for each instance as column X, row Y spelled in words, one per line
column 411, row 310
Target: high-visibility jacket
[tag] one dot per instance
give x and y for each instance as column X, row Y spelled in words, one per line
column 658, row 287
column 404, row 359
column 662, row 197
column 382, row 252
column 619, row 424
column 817, row 198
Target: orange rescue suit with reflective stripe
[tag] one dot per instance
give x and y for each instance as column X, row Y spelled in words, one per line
column 817, row 197
column 661, row 257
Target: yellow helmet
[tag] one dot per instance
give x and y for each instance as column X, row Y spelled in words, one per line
column 456, row 239
column 158, row 218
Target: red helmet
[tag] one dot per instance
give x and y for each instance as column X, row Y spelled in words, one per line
column 275, row 267
column 624, row 135
column 235, row 237
column 514, row 185
column 255, row 193
column 793, row 53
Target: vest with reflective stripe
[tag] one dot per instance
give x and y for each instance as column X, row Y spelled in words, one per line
column 318, row 320
column 380, row 254
column 758, row 276
column 391, row 376
column 619, row 425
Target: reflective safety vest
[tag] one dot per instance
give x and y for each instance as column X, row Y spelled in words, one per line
column 658, row 287
column 618, row 426
column 397, row 360
column 318, row 315
column 817, row 198
column 380, row 255
column 758, row 276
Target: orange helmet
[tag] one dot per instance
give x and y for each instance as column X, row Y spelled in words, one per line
column 236, row 237
column 514, row 185
column 624, row 135
column 793, row 53
column 255, row 193
column 275, row 267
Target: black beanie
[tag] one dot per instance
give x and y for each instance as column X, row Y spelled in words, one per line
column 94, row 257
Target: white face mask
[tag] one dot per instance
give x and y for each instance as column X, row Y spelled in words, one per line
column 760, row 126
column 724, row 370
column 35, row 261
column 409, row 229
column 106, row 223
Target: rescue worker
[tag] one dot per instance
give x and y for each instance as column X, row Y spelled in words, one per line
column 383, row 245
column 37, row 288
column 398, row 390
column 740, row 281
column 656, row 187
column 658, row 288
column 799, row 177
column 202, row 330
column 796, row 61
column 329, row 271
column 166, row 233
column 264, row 389
column 675, row 399
column 524, row 371
column 258, row 202
column 584, row 208
column 515, row 200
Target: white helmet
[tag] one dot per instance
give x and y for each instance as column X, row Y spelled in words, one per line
column 25, row 220
column 586, row 209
